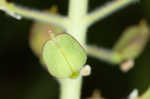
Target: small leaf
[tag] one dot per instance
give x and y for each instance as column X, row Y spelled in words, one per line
column 64, row 56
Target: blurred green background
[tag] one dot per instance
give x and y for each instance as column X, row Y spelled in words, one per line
column 22, row 76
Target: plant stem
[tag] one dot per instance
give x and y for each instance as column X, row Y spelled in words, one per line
column 13, row 9
column 103, row 54
column 70, row 88
column 76, row 26
column 106, row 10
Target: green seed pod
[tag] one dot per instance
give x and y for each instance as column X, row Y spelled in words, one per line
column 133, row 41
column 63, row 56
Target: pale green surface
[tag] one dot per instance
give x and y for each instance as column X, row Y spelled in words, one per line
column 133, row 41
column 74, row 52
column 63, row 56
column 71, row 87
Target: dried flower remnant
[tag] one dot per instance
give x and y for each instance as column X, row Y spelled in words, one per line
column 127, row 65
column 86, row 70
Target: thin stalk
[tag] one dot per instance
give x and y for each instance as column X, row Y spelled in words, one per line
column 70, row 88
column 103, row 54
column 106, row 10
column 16, row 11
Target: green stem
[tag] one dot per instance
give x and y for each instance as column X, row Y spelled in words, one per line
column 10, row 8
column 106, row 10
column 103, row 54
column 70, row 88
column 76, row 26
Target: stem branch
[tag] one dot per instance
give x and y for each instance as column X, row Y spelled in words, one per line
column 106, row 10
column 15, row 10
column 103, row 54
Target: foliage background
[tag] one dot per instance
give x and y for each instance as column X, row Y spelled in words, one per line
column 22, row 77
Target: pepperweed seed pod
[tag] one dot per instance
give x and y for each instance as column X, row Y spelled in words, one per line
column 63, row 56
column 133, row 41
